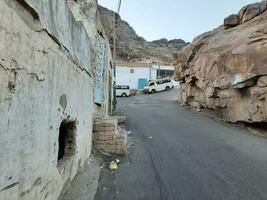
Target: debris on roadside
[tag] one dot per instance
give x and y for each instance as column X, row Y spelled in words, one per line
column 113, row 165
column 198, row 109
column 102, row 166
column 150, row 137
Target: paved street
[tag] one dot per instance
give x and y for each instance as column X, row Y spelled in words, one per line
column 178, row 154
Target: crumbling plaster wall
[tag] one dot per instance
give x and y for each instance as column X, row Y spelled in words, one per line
column 58, row 20
column 86, row 11
column 41, row 61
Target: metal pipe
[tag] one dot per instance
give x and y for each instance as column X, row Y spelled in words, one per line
column 119, row 7
column 114, row 50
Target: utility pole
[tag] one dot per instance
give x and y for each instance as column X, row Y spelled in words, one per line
column 116, row 14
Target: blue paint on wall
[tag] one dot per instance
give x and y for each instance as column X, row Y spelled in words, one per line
column 142, row 82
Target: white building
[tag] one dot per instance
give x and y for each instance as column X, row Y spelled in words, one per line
column 136, row 75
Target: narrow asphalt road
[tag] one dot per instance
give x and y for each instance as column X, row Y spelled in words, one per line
column 182, row 155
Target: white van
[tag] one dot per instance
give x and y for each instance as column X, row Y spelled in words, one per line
column 123, row 91
column 158, row 85
column 176, row 83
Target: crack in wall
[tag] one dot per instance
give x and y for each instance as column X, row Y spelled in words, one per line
column 54, row 38
column 15, row 70
column 30, row 9
column 3, row 67
column 62, row 47
column 9, row 186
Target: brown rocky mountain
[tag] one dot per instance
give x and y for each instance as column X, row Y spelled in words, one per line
column 131, row 47
column 226, row 69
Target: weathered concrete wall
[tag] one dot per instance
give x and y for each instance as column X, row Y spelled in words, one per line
column 43, row 80
column 109, row 82
column 56, row 18
column 86, row 11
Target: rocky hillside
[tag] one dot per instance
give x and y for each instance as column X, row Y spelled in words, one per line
column 226, row 69
column 131, row 47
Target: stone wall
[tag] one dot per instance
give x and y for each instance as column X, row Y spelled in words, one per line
column 47, row 86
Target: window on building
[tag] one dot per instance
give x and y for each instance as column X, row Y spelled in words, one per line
column 66, row 139
column 165, row 73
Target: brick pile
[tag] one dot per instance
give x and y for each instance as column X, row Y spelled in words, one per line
column 107, row 137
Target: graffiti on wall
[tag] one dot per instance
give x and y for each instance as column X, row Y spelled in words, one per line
column 100, row 66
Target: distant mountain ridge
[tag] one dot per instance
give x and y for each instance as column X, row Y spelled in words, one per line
column 133, row 48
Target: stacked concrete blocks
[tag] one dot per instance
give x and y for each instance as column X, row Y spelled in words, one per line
column 107, row 139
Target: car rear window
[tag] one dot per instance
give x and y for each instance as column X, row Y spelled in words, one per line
column 163, row 81
column 122, row 87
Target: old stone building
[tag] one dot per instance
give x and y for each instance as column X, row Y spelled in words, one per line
column 55, row 76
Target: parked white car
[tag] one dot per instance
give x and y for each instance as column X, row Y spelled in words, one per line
column 158, row 85
column 123, row 91
column 176, row 83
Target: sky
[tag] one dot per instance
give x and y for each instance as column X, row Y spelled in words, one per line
column 171, row 19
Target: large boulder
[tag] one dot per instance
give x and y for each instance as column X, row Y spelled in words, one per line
column 226, row 69
column 231, row 21
column 250, row 12
column 245, row 14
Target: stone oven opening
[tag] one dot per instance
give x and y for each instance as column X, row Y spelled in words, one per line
column 66, row 139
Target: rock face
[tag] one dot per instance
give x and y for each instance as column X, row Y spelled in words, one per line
column 226, row 69
column 131, row 47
